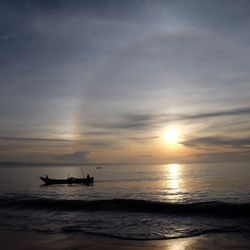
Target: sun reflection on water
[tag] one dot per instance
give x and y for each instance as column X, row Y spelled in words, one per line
column 173, row 175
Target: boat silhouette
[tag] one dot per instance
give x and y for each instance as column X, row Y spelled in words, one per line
column 70, row 180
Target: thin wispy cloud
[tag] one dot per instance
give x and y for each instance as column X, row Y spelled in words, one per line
column 143, row 139
column 138, row 121
column 31, row 139
column 232, row 112
column 217, row 142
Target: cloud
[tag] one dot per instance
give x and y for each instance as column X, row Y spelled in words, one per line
column 135, row 121
column 217, row 141
column 232, row 112
column 76, row 157
column 99, row 143
column 142, row 139
column 132, row 121
column 30, row 139
column 93, row 143
column 97, row 133
column 7, row 37
column 144, row 121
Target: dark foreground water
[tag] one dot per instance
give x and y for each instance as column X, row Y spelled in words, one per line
column 132, row 202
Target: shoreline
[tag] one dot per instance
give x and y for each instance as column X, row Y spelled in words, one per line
column 24, row 240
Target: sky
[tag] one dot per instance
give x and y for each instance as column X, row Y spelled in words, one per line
column 105, row 81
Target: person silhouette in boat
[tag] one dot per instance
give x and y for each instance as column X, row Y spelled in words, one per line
column 88, row 178
column 46, row 176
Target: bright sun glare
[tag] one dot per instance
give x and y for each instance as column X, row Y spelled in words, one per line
column 172, row 135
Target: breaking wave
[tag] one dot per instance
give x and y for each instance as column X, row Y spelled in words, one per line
column 212, row 208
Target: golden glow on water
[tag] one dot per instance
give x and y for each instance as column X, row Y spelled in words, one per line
column 173, row 174
column 174, row 182
column 174, row 169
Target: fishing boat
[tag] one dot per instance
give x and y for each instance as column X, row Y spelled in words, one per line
column 70, row 180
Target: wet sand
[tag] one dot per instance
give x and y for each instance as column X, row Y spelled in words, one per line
column 12, row 240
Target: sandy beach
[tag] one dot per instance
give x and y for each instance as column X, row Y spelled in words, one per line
column 11, row 240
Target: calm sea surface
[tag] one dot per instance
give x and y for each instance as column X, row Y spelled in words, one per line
column 134, row 202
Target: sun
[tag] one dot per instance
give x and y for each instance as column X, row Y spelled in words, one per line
column 172, row 135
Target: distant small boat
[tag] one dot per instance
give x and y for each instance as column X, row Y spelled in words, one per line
column 70, row 180
column 98, row 167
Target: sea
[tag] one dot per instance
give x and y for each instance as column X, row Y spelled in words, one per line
column 136, row 202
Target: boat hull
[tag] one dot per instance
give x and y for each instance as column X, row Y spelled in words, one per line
column 85, row 181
